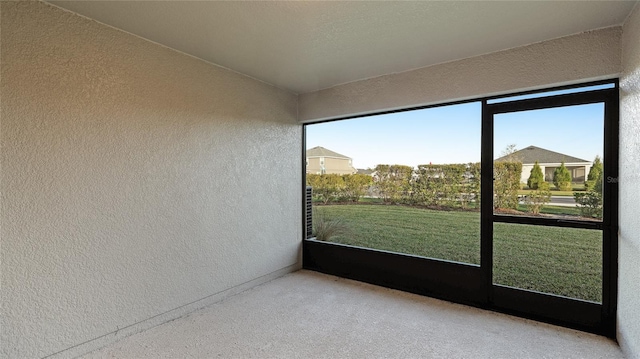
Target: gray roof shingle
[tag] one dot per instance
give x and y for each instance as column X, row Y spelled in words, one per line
column 319, row 151
column 531, row 154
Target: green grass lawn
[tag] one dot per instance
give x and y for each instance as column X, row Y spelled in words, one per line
column 557, row 210
column 547, row 209
column 563, row 261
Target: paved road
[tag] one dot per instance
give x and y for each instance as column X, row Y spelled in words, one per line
column 563, row 201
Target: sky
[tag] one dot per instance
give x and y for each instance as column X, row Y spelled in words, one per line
column 451, row 134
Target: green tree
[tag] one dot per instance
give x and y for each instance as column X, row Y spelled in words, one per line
column 562, row 178
column 535, row 177
column 590, row 202
column 595, row 174
column 596, row 169
column 506, row 184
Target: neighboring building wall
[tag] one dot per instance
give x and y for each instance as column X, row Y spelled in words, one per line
column 571, row 59
column 314, row 165
column 577, row 172
column 341, row 166
column 629, row 234
column 137, row 184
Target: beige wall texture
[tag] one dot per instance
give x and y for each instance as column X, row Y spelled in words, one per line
column 629, row 234
column 138, row 183
column 572, row 59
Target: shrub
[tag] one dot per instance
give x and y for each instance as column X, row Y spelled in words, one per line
column 588, row 185
column 428, row 185
column 537, row 199
column 325, row 228
column 450, row 185
column 453, row 176
column 355, row 186
column 327, row 187
column 562, row 178
column 393, row 182
column 536, row 176
column 590, row 203
column 472, row 187
column 506, row 184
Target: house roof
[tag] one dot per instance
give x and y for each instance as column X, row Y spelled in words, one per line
column 531, row 154
column 319, row 151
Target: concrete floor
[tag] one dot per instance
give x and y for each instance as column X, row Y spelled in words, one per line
column 312, row 315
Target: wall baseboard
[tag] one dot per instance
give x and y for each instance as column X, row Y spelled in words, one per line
column 104, row 340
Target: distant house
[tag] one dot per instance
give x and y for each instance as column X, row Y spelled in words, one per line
column 548, row 161
column 323, row 161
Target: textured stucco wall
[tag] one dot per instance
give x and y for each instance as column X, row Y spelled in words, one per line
column 135, row 180
column 588, row 56
column 629, row 236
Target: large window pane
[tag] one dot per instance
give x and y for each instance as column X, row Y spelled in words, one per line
column 407, row 182
column 552, row 93
column 549, row 162
column 555, row 260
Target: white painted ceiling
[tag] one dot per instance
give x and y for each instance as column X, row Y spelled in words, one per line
column 303, row 46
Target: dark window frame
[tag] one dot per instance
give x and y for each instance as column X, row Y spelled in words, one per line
column 473, row 284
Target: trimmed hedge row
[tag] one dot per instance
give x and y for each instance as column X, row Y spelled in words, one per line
column 449, row 185
column 339, row 188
